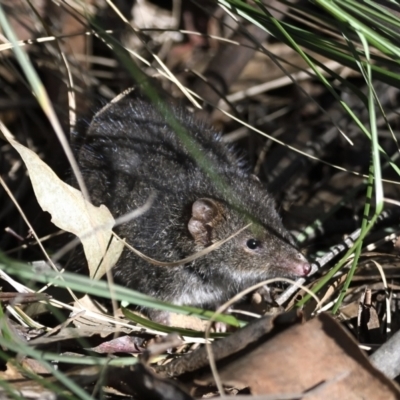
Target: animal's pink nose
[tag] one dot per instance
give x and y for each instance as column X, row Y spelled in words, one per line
column 301, row 266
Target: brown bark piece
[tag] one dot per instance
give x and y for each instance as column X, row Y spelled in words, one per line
column 319, row 356
column 231, row 345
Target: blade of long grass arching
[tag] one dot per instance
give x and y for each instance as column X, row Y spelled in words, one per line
column 332, row 49
column 373, row 37
column 292, row 41
column 374, row 181
column 381, row 21
column 100, row 288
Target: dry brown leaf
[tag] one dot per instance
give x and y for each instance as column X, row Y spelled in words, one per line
column 319, row 357
column 71, row 212
column 187, row 322
column 122, row 344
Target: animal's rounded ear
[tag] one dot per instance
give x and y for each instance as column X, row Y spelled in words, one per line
column 205, row 216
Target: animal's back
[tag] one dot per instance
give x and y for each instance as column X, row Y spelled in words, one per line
column 135, row 139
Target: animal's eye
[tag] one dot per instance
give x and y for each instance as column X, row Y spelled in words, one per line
column 253, row 244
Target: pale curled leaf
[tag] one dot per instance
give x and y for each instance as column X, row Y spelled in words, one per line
column 71, row 212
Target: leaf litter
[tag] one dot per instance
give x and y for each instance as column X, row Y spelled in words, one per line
column 297, row 355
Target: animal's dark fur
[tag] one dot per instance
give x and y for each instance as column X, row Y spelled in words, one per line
column 130, row 152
